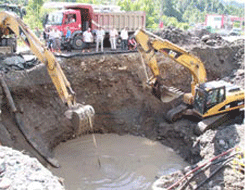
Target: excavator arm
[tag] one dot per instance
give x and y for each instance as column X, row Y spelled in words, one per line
column 149, row 43
column 77, row 112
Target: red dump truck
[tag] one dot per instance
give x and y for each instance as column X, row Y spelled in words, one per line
column 79, row 17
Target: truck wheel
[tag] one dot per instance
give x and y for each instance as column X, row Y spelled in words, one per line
column 10, row 42
column 119, row 41
column 14, row 45
column 78, row 43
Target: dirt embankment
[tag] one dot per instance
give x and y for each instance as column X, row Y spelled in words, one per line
column 115, row 86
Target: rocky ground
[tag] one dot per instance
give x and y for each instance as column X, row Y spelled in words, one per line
column 115, row 86
column 19, row 171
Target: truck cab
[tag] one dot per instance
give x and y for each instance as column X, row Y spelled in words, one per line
column 72, row 18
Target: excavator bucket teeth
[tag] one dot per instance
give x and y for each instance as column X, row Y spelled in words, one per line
column 168, row 94
column 81, row 117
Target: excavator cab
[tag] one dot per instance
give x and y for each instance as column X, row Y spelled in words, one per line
column 217, row 97
column 205, row 100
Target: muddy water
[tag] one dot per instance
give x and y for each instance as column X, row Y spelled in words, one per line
column 126, row 162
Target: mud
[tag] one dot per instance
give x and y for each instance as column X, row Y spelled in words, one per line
column 115, row 86
column 126, row 162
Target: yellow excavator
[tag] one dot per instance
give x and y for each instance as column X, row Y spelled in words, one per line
column 80, row 115
column 206, row 99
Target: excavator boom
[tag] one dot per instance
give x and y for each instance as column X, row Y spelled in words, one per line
column 149, row 43
column 80, row 115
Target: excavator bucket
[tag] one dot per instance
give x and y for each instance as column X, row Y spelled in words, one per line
column 82, row 117
column 166, row 94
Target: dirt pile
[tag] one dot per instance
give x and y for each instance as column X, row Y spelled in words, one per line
column 201, row 37
column 17, row 62
column 238, row 76
column 177, row 36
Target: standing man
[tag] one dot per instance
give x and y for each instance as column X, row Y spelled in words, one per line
column 67, row 39
column 100, row 33
column 124, row 36
column 112, row 37
column 37, row 33
column 58, row 36
column 46, row 36
column 88, row 39
column 51, row 44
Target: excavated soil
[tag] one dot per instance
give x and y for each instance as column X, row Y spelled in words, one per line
column 115, row 86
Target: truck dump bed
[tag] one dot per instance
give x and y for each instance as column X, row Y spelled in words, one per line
column 132, row 20
column 108, row 18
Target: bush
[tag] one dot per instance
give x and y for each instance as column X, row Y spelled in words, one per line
column 183, row 26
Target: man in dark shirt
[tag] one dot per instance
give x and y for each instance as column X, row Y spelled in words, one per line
column 67, row 39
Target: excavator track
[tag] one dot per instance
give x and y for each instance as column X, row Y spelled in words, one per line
column 176, row 112
column 218, row 120
column 211, row 122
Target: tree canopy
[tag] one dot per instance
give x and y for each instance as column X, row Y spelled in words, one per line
column 178, row 13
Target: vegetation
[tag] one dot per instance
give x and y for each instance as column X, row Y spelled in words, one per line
column 178, row 13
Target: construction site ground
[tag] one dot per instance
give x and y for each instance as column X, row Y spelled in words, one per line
column 115, row 85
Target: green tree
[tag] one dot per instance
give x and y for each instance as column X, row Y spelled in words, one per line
column 148, row 6
column 17, row 2
column 169, row 10
column 34, row 14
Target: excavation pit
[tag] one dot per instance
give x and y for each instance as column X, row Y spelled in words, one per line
column 115, row 86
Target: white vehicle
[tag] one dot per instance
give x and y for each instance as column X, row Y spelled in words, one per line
column 235, row 32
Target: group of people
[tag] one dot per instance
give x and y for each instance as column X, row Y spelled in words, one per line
column 126, row 42
column 53, row 39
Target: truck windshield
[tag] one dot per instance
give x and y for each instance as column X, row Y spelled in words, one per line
column 199, row 101
column 55, row 19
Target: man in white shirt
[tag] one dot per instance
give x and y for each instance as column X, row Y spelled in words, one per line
column 124, row 37
column 100, row 33
column 112, row 37
column 58, row 36
column 51, row 44
column 88, row 39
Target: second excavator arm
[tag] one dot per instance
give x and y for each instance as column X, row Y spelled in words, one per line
column 11, row 22
column 148, row 43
